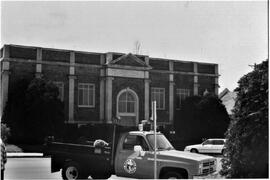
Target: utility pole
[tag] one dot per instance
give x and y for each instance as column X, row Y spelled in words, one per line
column 154, row 115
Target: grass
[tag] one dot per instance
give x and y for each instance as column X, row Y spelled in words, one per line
column 11, row 148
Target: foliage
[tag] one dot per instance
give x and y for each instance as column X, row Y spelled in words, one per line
column 5, row 132
column 35, row 111
column 202, row 117
column 247, row 145
column 14, row 112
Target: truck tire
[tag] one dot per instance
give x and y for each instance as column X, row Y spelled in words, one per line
column 72, row 170
column 172, row 175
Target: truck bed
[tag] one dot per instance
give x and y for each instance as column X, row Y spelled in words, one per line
column 93, row 159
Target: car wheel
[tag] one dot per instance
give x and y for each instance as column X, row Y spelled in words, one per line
column 72, row 170
column 223, row 152
column 194, row 150
column 172, row 175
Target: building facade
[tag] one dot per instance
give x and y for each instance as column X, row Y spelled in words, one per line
column 100, row 87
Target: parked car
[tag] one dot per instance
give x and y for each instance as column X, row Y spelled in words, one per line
column 208, row 146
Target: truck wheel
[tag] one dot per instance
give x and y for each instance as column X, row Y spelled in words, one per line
column 72, row 170
column 172, row 175
column 194, row 150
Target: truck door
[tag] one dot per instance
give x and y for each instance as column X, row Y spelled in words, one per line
column 130, row 163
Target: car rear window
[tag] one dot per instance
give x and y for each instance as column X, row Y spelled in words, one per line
column 218, row 142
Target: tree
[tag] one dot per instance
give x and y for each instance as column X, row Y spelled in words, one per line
column 33, row 111
column 44, row 110
column 14, row 112
column 202, row 117
column 247, row 144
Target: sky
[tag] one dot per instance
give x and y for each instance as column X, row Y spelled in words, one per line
column 228, row 33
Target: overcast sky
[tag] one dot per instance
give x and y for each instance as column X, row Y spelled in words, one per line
column 231, row 34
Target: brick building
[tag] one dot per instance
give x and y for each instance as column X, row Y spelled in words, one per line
column 97, row 87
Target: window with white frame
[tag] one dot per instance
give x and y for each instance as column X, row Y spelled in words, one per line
column 158, row 95
column 60, row 86
column 86, row 95
column 181, row 95
column 126, row 103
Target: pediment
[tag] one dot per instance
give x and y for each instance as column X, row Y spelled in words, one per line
column 129, row 60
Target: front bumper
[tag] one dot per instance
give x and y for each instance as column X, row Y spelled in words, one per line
column 213, row 175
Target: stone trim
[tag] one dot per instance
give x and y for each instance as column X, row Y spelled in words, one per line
column 183, row 73
column 108, row 99
column 51, row 63
column 146, row 98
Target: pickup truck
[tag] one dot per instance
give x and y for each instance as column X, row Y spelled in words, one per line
column 130, row 154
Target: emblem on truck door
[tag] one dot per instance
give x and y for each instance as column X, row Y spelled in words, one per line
column 130, row 166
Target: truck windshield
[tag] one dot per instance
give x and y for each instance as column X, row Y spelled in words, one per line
column 162, row 142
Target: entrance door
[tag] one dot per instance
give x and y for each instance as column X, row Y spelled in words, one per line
column 127, row 107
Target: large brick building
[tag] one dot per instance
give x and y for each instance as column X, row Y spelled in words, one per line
column 97, row 87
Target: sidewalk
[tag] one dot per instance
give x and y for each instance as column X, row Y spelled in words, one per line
column 22, row 154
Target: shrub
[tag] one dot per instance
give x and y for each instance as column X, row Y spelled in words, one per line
column 247, row 145
column 33, row 111
column 5, row 132
column 202, row 117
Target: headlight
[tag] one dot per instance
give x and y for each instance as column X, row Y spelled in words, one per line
column 200, row 168
column 215, row 165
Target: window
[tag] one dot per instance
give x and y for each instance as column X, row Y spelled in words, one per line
column 133, row 140
column 86, row 95
column 158, row 95
column 181, row 95
column 208, row 142
column 218, row 142
column 126, row 103
column 60, row 86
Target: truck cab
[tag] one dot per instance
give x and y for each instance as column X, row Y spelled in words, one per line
column 135, row 158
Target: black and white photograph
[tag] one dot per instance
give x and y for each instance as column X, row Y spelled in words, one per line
column 134, row 89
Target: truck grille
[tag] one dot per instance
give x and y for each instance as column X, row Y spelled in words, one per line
column 205, row 164
column 208, row 171
column 208, row 167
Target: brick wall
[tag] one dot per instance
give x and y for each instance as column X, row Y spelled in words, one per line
column 206, row 82
column 87, row 75
column 183, row 66
column 161, row 80
column 21, row 70
column 22, row 52
column 159, row 64
column 83, row 58
column 60, row 74
column 206, row 68
column 51, row 55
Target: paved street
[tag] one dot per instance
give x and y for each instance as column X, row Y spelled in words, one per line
column 38, row 168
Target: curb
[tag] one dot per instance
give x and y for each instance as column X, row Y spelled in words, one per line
column 23, row 155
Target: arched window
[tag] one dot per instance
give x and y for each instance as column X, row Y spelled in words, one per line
column 126, row 103
column 127, row 109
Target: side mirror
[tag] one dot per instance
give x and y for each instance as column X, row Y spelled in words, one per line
column 139, row 150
